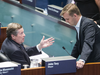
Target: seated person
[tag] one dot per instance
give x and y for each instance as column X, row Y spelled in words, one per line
column 13, row 45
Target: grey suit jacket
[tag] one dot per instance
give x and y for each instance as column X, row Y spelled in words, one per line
column 17, row 52
column 88, row 45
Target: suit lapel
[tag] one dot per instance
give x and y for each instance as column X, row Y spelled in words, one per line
column 25, row 53
column 23, row 50
column 80, row 34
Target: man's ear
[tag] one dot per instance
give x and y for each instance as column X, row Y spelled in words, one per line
column 12, row 36
column 75, row 15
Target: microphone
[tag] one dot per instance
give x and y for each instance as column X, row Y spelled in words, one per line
column 65, row 50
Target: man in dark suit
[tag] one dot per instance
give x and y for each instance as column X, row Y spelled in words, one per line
column 88, row 36
column 89, row 8
column 13, row 45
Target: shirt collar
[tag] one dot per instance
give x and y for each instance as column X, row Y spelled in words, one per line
column 78, row 24
column 15, row 42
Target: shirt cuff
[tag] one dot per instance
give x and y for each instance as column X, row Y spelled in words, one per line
column 38, row 48
column 82, row 60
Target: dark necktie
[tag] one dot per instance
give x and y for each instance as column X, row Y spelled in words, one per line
column 26, row 55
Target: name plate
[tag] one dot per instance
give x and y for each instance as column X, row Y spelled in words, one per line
column 59, row 65
column 10, row 68
column 29, row 2
column 54, row 10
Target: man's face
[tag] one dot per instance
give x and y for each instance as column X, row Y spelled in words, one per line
column 20, row 36
column 72, row 20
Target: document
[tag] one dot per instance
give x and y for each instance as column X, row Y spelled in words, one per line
column 7, row 64
column 43, row 55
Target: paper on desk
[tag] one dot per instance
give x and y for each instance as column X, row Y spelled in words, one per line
column 43, row 55
column 7, row 64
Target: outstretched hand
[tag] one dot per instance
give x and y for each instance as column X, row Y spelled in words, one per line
column 45, row 43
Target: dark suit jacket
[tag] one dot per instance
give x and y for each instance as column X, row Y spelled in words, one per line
column 17, row 52
column 88, row 45
column 88, row 8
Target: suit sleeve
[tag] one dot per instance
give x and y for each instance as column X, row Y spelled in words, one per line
column 88, row 41
column 32, row 51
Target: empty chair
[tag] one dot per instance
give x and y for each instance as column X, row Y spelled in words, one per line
column 3, row 57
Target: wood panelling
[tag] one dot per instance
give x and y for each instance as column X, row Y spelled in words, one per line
column 88, row 69
column 3, row 35
column 33, row 71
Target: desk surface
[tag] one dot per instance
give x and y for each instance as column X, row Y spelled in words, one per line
column 36, row 25
column 88, row 69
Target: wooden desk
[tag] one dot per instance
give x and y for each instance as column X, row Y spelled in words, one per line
column 33, row 71
column 3, row 35
column 89, row 69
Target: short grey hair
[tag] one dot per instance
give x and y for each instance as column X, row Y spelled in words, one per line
column 12, row 29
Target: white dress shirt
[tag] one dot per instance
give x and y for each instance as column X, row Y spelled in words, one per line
column 77, row 26
column 38, row 48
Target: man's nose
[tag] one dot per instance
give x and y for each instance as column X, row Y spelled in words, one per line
column 24, row 35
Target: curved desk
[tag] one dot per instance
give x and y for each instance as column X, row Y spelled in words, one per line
column 88, row 69
column 50, row 23
column 36, row 25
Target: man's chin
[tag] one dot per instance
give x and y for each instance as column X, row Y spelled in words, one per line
column 22, row 41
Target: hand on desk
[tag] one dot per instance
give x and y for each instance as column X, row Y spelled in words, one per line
column 79, row 64
column 45, row 43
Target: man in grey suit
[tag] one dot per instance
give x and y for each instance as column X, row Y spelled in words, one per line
column 13, row 45
column 88, row 36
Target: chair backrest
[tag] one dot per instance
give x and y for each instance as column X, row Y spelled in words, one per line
column 3, row 57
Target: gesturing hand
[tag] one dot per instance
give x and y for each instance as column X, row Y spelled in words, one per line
column 45, row 43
